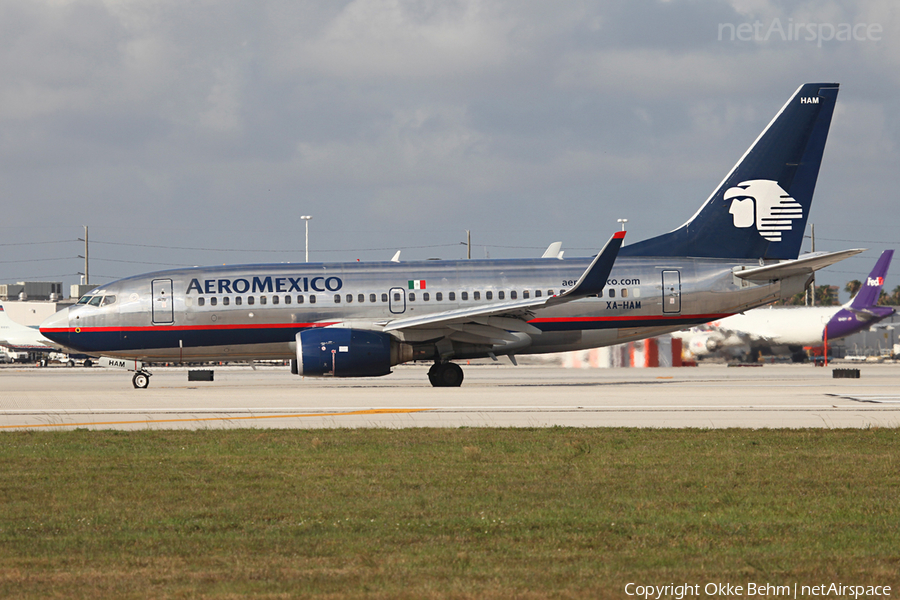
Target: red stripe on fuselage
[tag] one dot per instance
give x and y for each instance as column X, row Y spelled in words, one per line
column 629, row 318
column 191, row 327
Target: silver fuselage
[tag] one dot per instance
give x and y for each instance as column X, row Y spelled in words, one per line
column 248, row 312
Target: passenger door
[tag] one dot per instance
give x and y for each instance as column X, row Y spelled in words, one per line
column 163, row 309
column 671, row 290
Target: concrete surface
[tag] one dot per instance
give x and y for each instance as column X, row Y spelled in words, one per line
column 772, row 396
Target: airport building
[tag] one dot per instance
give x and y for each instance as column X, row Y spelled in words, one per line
column 31, row 290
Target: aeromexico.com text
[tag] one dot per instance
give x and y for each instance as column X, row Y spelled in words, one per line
column 265, row 285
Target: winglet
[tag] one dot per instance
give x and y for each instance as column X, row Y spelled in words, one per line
column 552, row 250
column 593, row 280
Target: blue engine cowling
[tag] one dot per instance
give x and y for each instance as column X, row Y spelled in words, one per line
column 343, row 352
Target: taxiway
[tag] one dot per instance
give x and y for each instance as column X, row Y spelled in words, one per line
column 772, row 396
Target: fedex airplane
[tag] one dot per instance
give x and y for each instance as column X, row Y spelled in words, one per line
column 790, row 329
column 739, row 250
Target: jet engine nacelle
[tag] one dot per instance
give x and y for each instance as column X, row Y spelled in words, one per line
column 342, row 352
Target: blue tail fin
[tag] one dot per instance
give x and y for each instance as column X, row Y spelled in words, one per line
column 761, row 207
column 871, row 288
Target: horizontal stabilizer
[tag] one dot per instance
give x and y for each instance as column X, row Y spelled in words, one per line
column 801, row 266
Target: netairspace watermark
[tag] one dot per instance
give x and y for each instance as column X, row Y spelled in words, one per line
column 686, row 590
column 800, row 32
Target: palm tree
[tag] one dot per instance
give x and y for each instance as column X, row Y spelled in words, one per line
column 853, row 287
column 825, row 295
column 895, row 297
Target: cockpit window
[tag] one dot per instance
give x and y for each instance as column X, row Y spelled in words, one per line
column 107, row 300
column 95, row 301
column 84, row 300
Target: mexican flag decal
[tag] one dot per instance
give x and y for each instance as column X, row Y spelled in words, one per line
column 417, row 284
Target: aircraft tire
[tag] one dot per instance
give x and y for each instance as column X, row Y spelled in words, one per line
column 140, row 380
column 445, row 375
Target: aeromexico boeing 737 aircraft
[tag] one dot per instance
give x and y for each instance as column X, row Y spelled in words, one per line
column 740, row 250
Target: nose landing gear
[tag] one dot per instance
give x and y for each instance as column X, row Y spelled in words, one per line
column 141, row 380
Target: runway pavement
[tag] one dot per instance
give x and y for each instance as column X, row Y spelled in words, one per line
column 716, row 396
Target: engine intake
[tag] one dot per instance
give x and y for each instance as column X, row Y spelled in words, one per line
column 341, row 352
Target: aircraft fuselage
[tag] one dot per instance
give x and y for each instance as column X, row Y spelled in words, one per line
column 255, row 311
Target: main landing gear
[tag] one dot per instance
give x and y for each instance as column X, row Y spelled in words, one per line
column 445, row 374
column 141, row 380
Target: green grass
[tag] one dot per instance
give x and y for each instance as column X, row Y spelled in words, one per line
column 442, row 513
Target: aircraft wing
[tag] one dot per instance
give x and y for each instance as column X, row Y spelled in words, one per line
column 801, row 266
column 493, row 323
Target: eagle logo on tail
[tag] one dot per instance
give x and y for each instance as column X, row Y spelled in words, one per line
column 775, row 210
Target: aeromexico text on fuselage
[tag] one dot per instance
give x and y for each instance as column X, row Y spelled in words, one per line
column 268, row 284
column 287, row 285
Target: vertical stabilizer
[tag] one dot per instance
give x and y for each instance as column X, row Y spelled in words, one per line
column 871, row 288
column 761, row 207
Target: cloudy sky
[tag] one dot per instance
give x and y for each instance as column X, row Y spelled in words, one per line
column 187, row 133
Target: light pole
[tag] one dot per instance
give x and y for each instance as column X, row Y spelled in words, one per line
column 623, row 221
column 307, row 218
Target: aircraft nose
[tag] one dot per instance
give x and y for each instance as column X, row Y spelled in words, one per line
column 56, row 327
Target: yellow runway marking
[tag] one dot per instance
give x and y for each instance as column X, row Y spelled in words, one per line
column 378, row 411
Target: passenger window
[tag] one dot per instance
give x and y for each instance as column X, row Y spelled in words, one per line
column 513, row 295
column 501, row 295
column 349, row 298
column 396, row 296
column 624, row 292
column 287, row 299
column 238, row 301
column 262, row 300
column 549, row 292
column 361, row 298
column 251, row 300
column 612, row 293
column 201, row 301
column 412, row 296
column 489, row 295
column 525, row 294
column 438, row 297
column 107, row 300
column 312, row 299
column 636, row 292
column 464, row 295
column 476, row 295
column 95, row 301
column 299, row 299
column 275, row 299
column 226, row 301
column 337, row 299
column 425, row 296
column 213, row 301
column 384, row 297
column 537, row 293
column 372, row 298
column 451, row 296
